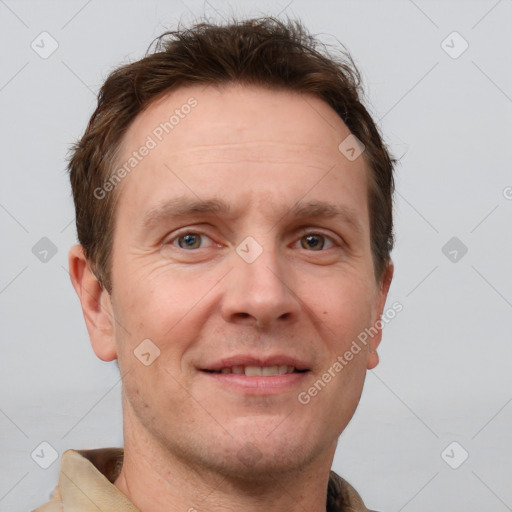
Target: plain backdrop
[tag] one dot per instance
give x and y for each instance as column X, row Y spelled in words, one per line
column 445, row 111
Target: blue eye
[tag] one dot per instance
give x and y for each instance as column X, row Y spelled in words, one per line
column 189, row 241
column 192, row 240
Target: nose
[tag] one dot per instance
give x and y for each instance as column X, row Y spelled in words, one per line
column 260, row 293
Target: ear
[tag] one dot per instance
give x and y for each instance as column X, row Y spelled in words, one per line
column 96, row 305
column 380, row 302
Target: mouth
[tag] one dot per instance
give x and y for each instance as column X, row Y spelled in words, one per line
column 249, row 375
column 257, row 371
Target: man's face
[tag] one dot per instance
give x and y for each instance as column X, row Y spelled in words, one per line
column 264, row 280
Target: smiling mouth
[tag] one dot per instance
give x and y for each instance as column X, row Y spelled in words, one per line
column 257, row 371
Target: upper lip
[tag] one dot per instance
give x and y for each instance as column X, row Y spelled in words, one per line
column 248, row 360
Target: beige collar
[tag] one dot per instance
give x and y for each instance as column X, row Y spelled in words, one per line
column 83, row 488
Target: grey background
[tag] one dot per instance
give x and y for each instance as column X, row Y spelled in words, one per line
column 445, row 372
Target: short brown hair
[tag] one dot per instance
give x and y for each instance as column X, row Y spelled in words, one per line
column 264, row 52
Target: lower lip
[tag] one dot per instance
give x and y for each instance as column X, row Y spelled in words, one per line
column 273, row 384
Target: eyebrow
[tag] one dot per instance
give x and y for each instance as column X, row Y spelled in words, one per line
column 184, row 206
column 326, row 210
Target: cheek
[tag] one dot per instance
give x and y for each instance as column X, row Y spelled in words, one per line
column 151, row 303
column 344, row 304
column 348, row 315
column 350, row 318
column 163, row 309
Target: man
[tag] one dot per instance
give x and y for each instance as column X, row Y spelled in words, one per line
column 234, row 211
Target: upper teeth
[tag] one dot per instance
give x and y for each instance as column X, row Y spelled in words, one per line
column 253, row 371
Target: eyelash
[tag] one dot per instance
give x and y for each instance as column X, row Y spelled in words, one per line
column 189, row 232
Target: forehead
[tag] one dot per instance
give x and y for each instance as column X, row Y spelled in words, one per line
column 238, row 138
column 208, row 118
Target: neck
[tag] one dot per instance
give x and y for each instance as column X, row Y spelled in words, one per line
column 156, row 479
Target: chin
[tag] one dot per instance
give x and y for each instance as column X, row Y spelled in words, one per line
column 261, row 458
